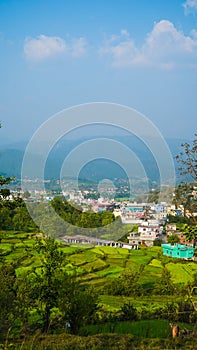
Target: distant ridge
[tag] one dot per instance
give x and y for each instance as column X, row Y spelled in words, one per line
column 11, row 156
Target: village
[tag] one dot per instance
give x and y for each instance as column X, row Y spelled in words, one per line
column 152, row 225
column 150, row 218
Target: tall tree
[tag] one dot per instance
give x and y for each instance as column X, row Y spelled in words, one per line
column 77, row 303
column 7, row 298
column 46, row 283
column 188, row 159
column 188, row 166
column 5, row 180
column 190, row 232
column 5, row 218
column 183, row 196
column 22, row 219
column 164, row 285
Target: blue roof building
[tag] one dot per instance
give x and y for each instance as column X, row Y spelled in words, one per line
column 181, row 251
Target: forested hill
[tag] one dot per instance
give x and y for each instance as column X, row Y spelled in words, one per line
column 11, row 157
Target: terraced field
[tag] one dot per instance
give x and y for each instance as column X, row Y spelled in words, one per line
column 99, row 265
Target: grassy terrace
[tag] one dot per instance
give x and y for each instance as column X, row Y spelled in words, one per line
column 98, row 265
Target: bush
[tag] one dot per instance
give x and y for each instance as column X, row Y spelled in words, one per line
column 128, row 312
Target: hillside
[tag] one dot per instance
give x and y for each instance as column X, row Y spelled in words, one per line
column 133, row 313
column 11, row 157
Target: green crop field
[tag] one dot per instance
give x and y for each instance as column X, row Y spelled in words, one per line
column 182, row 273
column 98, row 266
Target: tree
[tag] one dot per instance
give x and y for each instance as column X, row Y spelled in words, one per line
column 50, row 288
column 188, row 159
column 46, row 282
column 188, row 166
column 26, row 194
column 164, row 285
column 77, row 303
column 22, row 220
column 126, row 284
column 5, row 192
column 8, row 310
column 183, row 195
column 5, row 180
column 5, row 218
column 128, row 312
column 173, row 239
column 107, row 218
column 190, row 232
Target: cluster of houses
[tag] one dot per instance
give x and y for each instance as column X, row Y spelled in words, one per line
column 150, row 232
column 150, row 218
column 146, row 235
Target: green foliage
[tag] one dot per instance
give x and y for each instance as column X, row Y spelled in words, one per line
column 76, row 217
column 128, row 312
column 178, row 219
column 5, row 180
column 183, row 195
column 188, row 159
column 22, row 219
column 164, row 285
column 26, row 194
column 157, row 242
column 143, row 328
column 5, row 192
column 126, row 284
column 106, row 341
column 70, row 284
column 8, row 310
column 77, row 303
column 173, row 239
column 191, row 233
column 5, row 218
column 46, row 283
column 49, row 287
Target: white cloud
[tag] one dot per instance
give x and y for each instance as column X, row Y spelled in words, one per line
column 78, row 47
column 43, row 47
column 163, row 47
column 193, row 33
column 190, row 6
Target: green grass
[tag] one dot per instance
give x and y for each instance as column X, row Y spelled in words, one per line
column 96, row 266
column 182, row 273
column 111, row 303
column 141, row 329
column 156, row 263
column 110, row 272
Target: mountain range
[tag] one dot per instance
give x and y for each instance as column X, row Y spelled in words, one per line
column 11, row 157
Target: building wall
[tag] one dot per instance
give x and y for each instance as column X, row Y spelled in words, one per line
column 178, row 252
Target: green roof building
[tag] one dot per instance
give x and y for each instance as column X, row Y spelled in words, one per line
column 181, row 251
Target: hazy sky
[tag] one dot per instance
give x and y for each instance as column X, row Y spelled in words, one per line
column 58, row 53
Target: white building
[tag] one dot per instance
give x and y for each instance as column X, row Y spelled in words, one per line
column 146, row 235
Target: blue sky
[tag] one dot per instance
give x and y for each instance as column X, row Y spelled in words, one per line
column 56, row 54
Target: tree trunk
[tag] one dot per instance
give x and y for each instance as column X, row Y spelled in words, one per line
column 46, row 319
column 191, row 298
